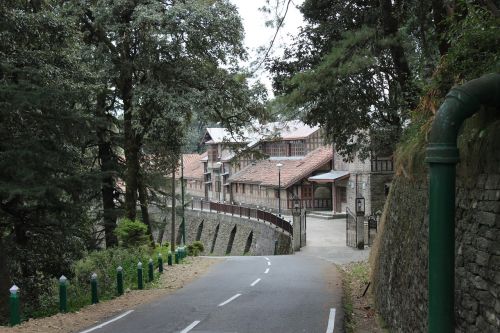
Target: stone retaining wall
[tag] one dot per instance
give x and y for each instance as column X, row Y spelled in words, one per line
column 262, row 239
column 400, row 260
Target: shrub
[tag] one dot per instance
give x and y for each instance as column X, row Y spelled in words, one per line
column 131, row 233
column 195, row 248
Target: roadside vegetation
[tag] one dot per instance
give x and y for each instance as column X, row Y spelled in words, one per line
column 359, row 312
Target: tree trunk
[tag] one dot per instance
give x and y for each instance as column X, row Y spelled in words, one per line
column 403, row 73
column 143, row 200
column 105, row 155
column 131, row 146
column 172, row 230
column 439, row 17
column 5, row 280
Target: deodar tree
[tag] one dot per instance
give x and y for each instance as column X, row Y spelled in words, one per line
column 349, row 71
column 46, row 184
column 167, row 60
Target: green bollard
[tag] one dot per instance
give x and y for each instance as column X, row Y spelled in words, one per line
column 169, row 258
column 63, row 294
column 15, row 316
column 119, row 280
column 176, row 255
column 140, row 284
column 150, row 270
column 93, row 287
column 160, row 263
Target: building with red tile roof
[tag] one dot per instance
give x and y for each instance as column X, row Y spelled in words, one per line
column 288, row 163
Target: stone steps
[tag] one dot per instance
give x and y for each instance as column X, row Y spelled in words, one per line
column 326, row 215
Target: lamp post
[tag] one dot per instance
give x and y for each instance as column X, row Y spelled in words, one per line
column 219, row 165
column 297, row 226
column 360, row 222
column 182, row 201
column 279, row 165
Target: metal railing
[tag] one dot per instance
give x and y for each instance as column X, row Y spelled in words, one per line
column 242, row 212
column 311, row 203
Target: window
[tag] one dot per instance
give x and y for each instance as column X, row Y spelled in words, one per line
column 251, row 188
column 307, row 191
column 242, row 188
column 343, row 194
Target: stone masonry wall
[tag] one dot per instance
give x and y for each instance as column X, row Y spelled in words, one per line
column 399, row 260
column 263, row 234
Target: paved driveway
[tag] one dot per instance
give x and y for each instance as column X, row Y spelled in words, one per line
column 326, row 239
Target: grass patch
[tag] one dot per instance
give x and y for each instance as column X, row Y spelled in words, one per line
column 359, row 313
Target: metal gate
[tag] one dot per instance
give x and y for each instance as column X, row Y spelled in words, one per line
column 359, row 230
column 351, row 232
column 371, row 229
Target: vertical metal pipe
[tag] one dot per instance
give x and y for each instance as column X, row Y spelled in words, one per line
column 442, row 156
column 441, row 247
column 279, row 191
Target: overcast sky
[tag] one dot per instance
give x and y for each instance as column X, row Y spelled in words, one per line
column 258, row 35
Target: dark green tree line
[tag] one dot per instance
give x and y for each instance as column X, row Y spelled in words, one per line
column 359, row 67
column 96, row 98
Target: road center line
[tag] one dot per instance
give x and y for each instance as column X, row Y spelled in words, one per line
column 229, row 300
column 331, row 321
column 268, row 263
column 267, row 271
column 108, row 322
column 190, row 327
column 255, row 282
column 266, row 258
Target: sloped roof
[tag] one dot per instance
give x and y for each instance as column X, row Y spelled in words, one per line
column 193, row 168
column 329, row 177
column 265, row 172
column 288, row 130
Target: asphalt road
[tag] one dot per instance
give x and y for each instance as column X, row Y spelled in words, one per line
column 245, row 294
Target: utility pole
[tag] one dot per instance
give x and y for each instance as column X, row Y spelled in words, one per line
column 182, row 200
column 172, row 230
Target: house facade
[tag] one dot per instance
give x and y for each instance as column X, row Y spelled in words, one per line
column 297, row 168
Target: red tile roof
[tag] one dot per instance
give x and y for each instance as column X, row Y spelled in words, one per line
column 193, row 167
column 265, row 172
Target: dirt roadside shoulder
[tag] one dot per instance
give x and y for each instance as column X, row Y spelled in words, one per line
column 174, row 278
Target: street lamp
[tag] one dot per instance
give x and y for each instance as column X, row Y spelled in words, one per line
column 221, row 188
column 279, row 165
column 297, row 225
column 360, row 206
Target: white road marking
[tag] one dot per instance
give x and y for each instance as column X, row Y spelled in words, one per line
column 268, row 263
column 229, row 300
column 331, row 321
column 267, row 271
column 267, row 258
column 190, row 327
column 108, row 322
column 255, row 282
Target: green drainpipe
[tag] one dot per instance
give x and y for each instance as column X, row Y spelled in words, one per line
column 442, row 156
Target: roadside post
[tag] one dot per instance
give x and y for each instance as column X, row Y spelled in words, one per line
column 119, row 280
column 150, row 270
column 93, row 288
column 63, row 294
column 140, row 283
column 15, row 316
column 160, row 263
column 169, row 258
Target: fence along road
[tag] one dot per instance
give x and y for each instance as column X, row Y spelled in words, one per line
column 243, row 212
column 246, row 294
